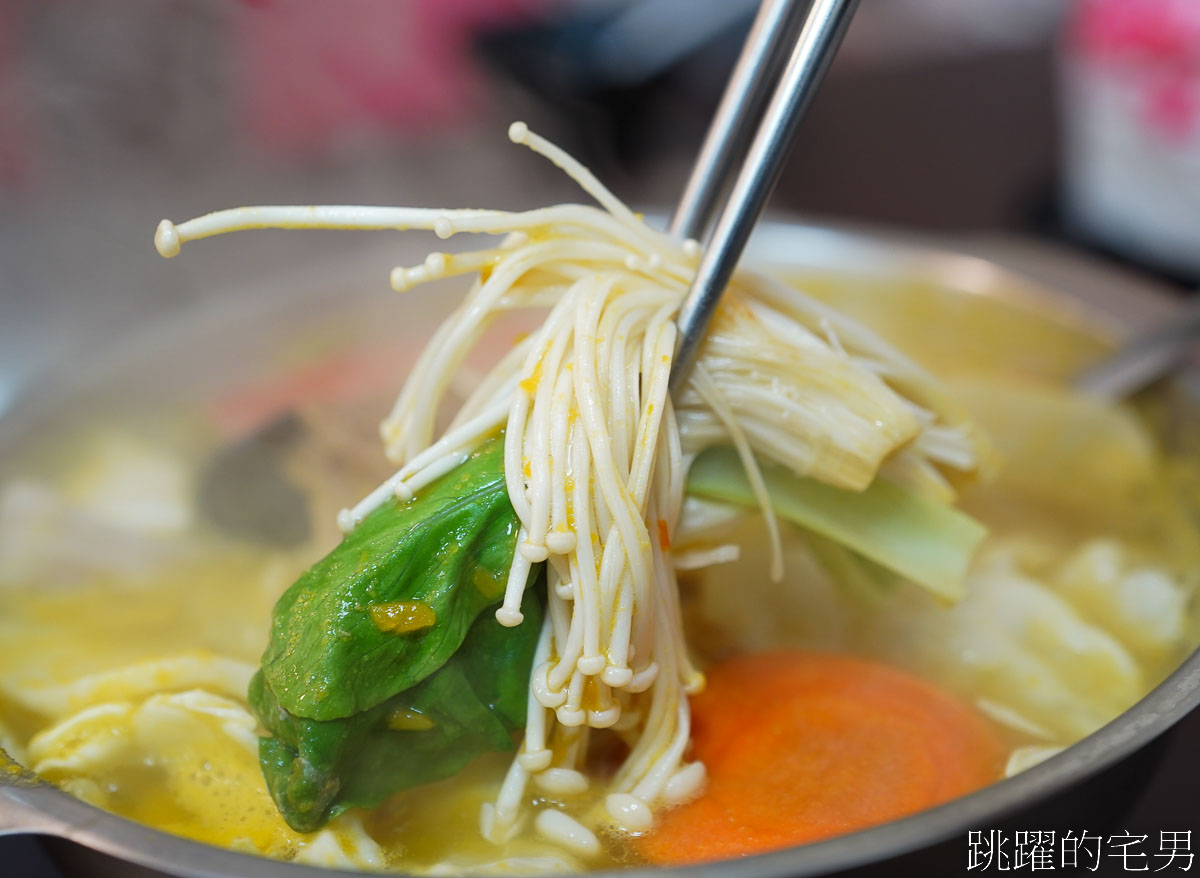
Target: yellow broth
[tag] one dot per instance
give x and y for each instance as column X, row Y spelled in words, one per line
column 202, row 597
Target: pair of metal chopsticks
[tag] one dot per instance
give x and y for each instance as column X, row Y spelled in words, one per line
column 786, row 55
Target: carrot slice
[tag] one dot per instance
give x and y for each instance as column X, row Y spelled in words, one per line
column 803, row 746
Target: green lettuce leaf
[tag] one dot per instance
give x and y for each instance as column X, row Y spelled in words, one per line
column 450, row 549
column 315, row 769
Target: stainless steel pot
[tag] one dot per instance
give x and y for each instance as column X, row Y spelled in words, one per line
column 1075, row 292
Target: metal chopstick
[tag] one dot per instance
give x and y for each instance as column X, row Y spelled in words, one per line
column 758, row 67
column 824, row 26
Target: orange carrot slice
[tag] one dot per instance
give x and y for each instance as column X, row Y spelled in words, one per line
column 803, row 746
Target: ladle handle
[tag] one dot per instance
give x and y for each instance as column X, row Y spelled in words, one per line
column 1146, row 358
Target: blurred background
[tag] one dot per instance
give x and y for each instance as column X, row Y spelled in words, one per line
column 1073, row 121
column 1031, row 130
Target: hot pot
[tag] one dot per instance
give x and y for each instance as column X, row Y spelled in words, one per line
column 221, row 342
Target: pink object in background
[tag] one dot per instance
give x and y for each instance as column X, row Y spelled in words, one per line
column 1156, row 42
column 17, row 140
column 309, row 74
column 1132, row 125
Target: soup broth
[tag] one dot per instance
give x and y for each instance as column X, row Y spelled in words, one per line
column 134, row 606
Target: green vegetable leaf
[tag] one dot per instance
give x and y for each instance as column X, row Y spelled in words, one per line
column 315, row 769
column 449, row 549
column 911, row 535
column 860, row 577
